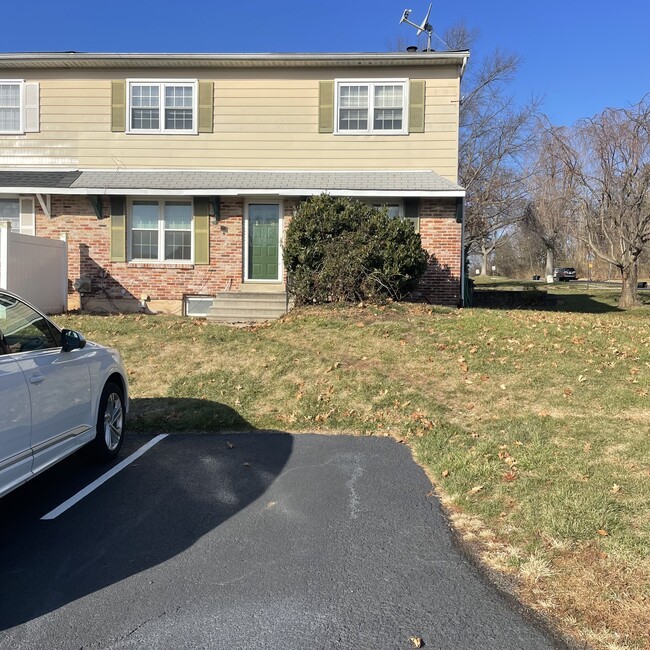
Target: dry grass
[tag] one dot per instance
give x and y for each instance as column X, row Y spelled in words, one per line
column 534, row 426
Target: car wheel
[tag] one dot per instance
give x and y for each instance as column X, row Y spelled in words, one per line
column 111, row 420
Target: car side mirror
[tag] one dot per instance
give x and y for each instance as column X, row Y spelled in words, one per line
column 72, row 340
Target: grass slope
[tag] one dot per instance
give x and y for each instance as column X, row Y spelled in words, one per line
column 533, row 425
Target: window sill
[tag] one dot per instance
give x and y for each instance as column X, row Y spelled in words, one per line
column 135, row 264
column 379, row 133
column 188, row 132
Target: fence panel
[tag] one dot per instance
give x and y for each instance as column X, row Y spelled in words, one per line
column 35, row 268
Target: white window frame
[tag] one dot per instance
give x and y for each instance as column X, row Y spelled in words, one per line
column 162, row 83
column 161, row 230
column 371, row 83
column 21, row 112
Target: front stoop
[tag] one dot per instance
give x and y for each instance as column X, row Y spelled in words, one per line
column 249, row 305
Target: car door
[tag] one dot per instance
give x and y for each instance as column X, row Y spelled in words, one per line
column 15, row 414
column 58, row 383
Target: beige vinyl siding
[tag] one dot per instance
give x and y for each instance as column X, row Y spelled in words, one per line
column 264, row 119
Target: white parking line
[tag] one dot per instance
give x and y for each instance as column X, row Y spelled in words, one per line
column 53, row 514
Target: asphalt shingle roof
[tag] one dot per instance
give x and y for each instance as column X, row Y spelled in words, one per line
column 216, row 181
column 265, row 180
column 38, row 179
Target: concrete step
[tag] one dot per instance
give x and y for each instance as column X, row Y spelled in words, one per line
column 245, row 306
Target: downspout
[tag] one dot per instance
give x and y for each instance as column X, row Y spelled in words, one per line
column 462, row 209
column 462, row 251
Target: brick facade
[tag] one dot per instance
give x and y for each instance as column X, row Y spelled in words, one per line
column 121, row 285
column 442, row 238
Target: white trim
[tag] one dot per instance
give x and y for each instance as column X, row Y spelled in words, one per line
column 161, row 232
column 21, row 105
column 269, row 201
column 102, row 191
column 162, row 83
column 371, row 83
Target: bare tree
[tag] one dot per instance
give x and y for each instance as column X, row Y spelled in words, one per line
column 609, row 159
column 495, row 133
column 551, row 191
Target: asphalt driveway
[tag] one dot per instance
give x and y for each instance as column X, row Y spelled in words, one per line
column 260, row 540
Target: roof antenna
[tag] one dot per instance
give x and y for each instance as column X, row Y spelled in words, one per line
column 424, row 26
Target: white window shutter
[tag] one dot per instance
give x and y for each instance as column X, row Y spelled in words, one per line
column 27, row 216
column 32, row 108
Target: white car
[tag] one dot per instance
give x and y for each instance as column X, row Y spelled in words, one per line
column 58, row 393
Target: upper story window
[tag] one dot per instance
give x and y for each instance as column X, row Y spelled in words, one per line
column 371, row 107
column 161, row 230
column 11, row 99
column 162, row 106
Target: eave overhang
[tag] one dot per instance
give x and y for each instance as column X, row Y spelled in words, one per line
column 70, row 60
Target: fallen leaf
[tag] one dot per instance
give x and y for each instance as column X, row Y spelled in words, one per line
column 602, row 532
column 616, row 488
column 502, row 386
column 416, row 641
column 587, row 447
column 445, row 473
column 475, row 489
column 510, row 476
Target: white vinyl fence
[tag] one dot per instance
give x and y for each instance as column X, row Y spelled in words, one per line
column 35, row 268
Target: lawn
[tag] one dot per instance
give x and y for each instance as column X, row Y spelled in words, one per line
column 534, row 426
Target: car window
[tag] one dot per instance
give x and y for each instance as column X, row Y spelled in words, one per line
column 24, row 329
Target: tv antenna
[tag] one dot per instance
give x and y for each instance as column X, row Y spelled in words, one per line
column 424, row 26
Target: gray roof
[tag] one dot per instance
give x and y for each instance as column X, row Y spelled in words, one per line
column 216, row 181
column 38, row 179
column 252, row 182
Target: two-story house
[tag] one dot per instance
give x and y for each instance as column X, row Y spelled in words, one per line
column 175, row 175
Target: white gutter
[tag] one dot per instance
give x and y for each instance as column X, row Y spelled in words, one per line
column 80, row 59
column 102, row 191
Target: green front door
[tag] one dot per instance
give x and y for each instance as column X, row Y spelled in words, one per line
column 263, row 241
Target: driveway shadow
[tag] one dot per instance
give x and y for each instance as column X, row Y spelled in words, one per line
column 150, row 512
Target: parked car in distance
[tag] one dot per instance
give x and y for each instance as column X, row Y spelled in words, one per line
column 564, row 273
column 58, row 393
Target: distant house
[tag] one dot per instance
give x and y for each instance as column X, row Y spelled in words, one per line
column 175, row 175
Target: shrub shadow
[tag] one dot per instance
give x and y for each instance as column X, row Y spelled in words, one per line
column 156, row 508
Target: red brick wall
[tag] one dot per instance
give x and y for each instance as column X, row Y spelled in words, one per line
column 442, row 238
column 89, row 252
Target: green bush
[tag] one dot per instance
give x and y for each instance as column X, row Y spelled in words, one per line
column 342, row 250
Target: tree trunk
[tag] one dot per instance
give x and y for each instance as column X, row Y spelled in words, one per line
column 484, row 262
column 628, row 291
column 549, row 261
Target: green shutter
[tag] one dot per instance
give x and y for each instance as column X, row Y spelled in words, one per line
column 206, row 107
column 412, row 212
column 201, row 231
column 326, row 107
column 118, row 229
column 118, row 105
column 416, row 107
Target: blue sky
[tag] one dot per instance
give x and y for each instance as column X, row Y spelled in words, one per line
column 579, row 57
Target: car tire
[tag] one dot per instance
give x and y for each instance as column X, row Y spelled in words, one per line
column 111, row 421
